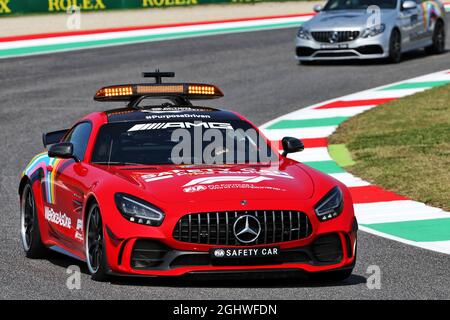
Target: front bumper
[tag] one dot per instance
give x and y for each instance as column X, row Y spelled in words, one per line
column 134, row 249
column 149, row 257
column 361, row 48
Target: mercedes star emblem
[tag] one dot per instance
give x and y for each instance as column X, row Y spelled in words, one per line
column 246, row 229
column 334, row 37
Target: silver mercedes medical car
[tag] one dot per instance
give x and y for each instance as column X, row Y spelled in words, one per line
column 369, row 29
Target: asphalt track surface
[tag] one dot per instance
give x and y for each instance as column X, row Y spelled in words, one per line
column 260, row 79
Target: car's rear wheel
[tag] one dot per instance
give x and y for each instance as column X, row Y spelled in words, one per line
column 29, row 226
column 395, row 47
column 95, row 245
column 438, row 45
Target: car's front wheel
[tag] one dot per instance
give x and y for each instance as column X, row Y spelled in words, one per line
column 395, row 47
column 95, row 245
column 29, row 226
column 438, row 45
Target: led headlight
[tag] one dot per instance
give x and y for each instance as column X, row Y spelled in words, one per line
column 303, row 34
column 139, row 211
column 373, row 31
column 330, row 206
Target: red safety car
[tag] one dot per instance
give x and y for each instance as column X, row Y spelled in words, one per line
column 171, row 188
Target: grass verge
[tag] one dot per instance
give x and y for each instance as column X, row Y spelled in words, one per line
column 404, row 146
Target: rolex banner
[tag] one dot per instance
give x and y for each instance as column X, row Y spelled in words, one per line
column 9, row 7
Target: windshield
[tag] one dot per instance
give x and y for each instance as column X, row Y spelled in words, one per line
column 359, row 4
column 186, row 142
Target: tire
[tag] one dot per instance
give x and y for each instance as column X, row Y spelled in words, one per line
column 95, row 245
column 438, row 45
column 395, row 47
column 29, row 225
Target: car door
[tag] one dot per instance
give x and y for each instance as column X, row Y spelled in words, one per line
column 427, row 10
column 411, row 25
column 70, row 186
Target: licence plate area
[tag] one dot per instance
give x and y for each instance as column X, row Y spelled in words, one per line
column 332, row 46
column 228, row 255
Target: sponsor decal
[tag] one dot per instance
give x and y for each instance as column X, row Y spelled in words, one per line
column 58, row 218
column 43, row 161
column 180, row 125
column 79, row 236
column 219, row 253
column 4, row 8
column 245, row 253
column 228, row 186
column 79, row 225
column 63, row 5
column 50, row 179
column 194, row 189
column 213, row 171
column 184, row 115
column 79, row 231
column 212, row 180
column 431, row 11
column 167, row 3
column 176, row 109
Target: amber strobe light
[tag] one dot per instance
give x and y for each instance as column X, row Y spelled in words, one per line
column 115, row 91
column 152, row 89
column 131, row 92
column 201, row 89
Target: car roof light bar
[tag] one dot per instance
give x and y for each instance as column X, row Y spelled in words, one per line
column 179, row 93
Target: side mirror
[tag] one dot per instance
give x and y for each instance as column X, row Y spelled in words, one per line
column 53, row 137
column 63, row 150
column 317, row 8
column 291, row 145
column 408, row 4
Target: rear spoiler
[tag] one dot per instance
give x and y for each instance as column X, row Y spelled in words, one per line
column 53, row 137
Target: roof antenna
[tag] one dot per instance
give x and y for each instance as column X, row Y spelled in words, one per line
column 158, row 75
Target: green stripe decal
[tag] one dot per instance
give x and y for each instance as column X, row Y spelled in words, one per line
column 307, row 123
column 419, row 230
column 417, row 85
column 341, row 155
column 127, row 40
column 325, row 166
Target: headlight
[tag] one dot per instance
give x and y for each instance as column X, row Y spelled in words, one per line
column 139, row 211
column 330, row 206
column 303, row 34
column 373, row 31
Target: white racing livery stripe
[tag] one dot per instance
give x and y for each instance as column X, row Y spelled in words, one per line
column 349, row 180
column 376, row 212
column 312, row 154
column 395, row 211
column 328, row 113
column 218, row 27
column 438, row 246
column 304, row 133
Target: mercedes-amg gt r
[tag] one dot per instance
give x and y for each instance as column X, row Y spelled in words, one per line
column 172, row 189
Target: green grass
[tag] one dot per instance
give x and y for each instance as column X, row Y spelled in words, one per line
column 404, row 146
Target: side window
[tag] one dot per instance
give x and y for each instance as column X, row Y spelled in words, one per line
column 79, row 137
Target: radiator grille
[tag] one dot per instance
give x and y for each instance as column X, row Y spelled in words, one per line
column 217, row 228
column 334, row 36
